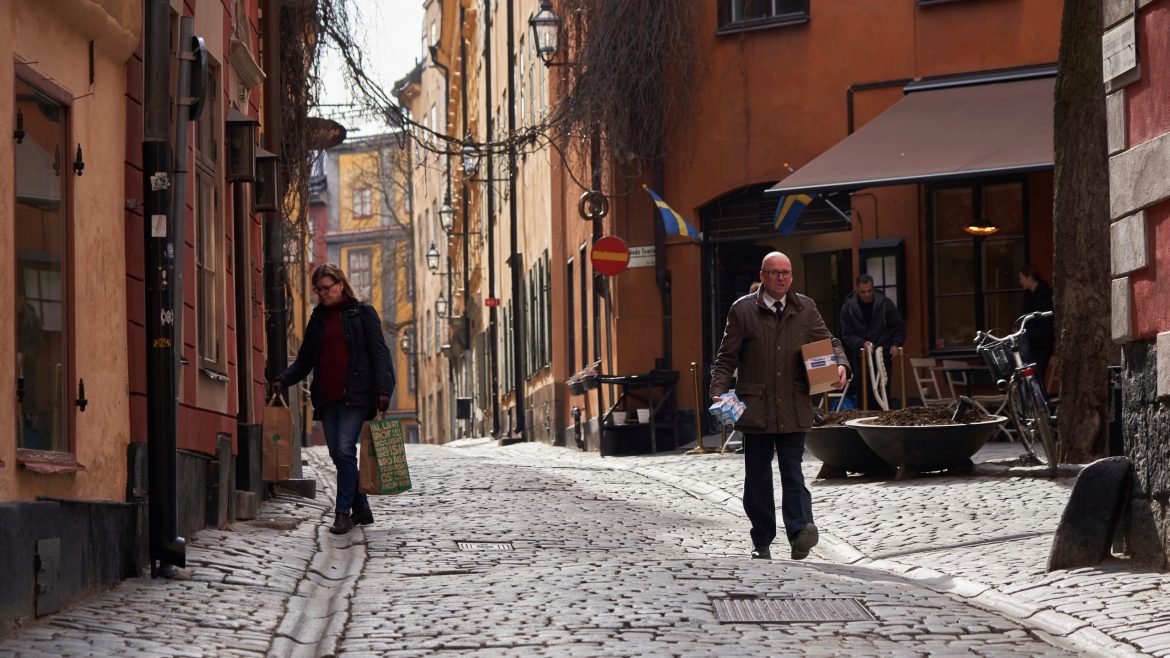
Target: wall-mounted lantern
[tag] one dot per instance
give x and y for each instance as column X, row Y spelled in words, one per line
column 404, row 344
column 433, row 259
column 266, row 189
column 545, row 25
column 441, row 306
column 241, row 146
column 447, row 216
column 470, row 158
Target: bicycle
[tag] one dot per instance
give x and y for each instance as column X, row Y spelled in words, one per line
column 1028, row 405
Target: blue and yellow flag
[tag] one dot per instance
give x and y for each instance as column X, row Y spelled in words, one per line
column 674, row 223
column 788, row 211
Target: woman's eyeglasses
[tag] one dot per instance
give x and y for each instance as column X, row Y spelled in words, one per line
column 321, row 290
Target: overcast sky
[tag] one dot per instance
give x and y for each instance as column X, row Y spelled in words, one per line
column 390, row 32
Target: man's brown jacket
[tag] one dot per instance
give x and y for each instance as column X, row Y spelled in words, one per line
column 771, row 380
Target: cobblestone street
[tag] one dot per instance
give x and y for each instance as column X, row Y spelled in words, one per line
column 621, row 556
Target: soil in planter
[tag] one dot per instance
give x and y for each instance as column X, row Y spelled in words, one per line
column 926, row 416
column 838, row 418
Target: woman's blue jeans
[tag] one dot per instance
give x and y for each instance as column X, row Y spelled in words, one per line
column 343, row 427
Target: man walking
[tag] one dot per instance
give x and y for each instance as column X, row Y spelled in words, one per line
column 764, row 333
column 870, row 320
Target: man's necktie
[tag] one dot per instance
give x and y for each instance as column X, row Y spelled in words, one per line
column 778, row 309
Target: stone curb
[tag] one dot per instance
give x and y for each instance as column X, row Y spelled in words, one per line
column 1059, row 628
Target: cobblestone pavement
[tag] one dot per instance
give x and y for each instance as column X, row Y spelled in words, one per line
column 984, row 538
column 604, row 561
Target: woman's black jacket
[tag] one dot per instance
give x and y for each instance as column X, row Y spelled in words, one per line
column 370, row 372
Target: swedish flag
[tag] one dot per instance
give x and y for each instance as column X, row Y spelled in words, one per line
column 788, row 211
column 674, row 223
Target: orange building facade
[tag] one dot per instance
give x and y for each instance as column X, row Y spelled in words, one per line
column 776, row 91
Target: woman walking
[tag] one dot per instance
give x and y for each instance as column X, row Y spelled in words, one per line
column 352, row 380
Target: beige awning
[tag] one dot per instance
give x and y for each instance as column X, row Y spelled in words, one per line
column 939, row 134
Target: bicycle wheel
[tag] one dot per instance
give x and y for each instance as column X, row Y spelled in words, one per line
column 1043, row 423
column 1018, row 408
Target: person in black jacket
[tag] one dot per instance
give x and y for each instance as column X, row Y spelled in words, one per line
column 352, row 380
column 1040, row 335
column 870, row 319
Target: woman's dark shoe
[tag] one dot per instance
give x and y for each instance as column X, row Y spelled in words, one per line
column 363, row 517
column 341, row 524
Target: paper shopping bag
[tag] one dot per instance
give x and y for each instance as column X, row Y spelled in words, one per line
column 276, row 453
column 382, row 465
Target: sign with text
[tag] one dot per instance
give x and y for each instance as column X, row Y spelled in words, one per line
column 642, row 256
column 491, row 302
column 1119, row 50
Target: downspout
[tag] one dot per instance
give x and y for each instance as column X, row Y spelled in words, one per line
column 466, row 323
column 167, row 549
column 276, row 315
column 493, row 314
column 516, row 260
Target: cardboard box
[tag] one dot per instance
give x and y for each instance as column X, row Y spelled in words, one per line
column 820, row 364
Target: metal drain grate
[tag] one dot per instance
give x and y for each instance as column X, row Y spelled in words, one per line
column 484, row 546
column 782, row 611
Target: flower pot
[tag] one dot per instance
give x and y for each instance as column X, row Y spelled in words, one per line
column 915, row 448
column 590, row 382
column 576, row 386
column 643, row 415
column 617, row 417
column 841, row 449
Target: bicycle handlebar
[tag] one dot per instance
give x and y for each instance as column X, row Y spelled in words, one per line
column 984, row 336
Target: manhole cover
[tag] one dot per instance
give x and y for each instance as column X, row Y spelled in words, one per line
column 780, row 611
column 484, row 546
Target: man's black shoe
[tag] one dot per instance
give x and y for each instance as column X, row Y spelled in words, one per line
column 761, row 553
column 363, row 517
column 805, row 540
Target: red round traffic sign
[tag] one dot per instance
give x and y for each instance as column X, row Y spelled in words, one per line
column 610, row 255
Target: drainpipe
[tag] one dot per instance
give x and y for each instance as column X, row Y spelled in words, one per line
column 493, row 314
column 516, row 260
column 167, row 549
column 276, row 314
column 466, row 237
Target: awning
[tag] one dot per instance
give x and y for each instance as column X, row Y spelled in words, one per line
column 940, row 134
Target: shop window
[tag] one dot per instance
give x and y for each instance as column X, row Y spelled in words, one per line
column 571, row 321
column 972, row 279
column 363, row 203
column 359, row 269
column 743, row 15
column 42, row 238
column 209, row 243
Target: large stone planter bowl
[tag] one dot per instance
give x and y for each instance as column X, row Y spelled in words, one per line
column 841, row 449
column 918, row 448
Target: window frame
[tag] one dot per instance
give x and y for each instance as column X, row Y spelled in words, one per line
column 210, row 323
column 728, row 24
column 64, row 460
column 362, row 201
column 979, row 291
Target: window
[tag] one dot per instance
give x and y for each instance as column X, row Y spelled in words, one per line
column 359, row 270
column 571, row 322
column 42, row 235
column 973, row 281
column 584, row 311
column 408, row 273
column 209, row 239
column 411, row 363
column 363, row 202
column 742, row 15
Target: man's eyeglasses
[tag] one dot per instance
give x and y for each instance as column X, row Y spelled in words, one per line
column 778, row 274
column 321, row 290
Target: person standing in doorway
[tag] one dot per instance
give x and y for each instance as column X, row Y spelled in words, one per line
column 762, row 338
column 352, row 380
column 1041, row 332
column 870, row 320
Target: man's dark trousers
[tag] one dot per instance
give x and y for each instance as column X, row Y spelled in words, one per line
column 758, row 499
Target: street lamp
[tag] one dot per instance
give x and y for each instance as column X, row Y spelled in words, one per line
column 433, row 259
column 441, row 306
column 404, row 344
column 470, row 158
column 545, row 26
column 447, row 215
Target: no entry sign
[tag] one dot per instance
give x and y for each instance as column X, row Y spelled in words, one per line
column 610, row 255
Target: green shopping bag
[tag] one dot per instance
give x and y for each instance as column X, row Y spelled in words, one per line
column 382, row 463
